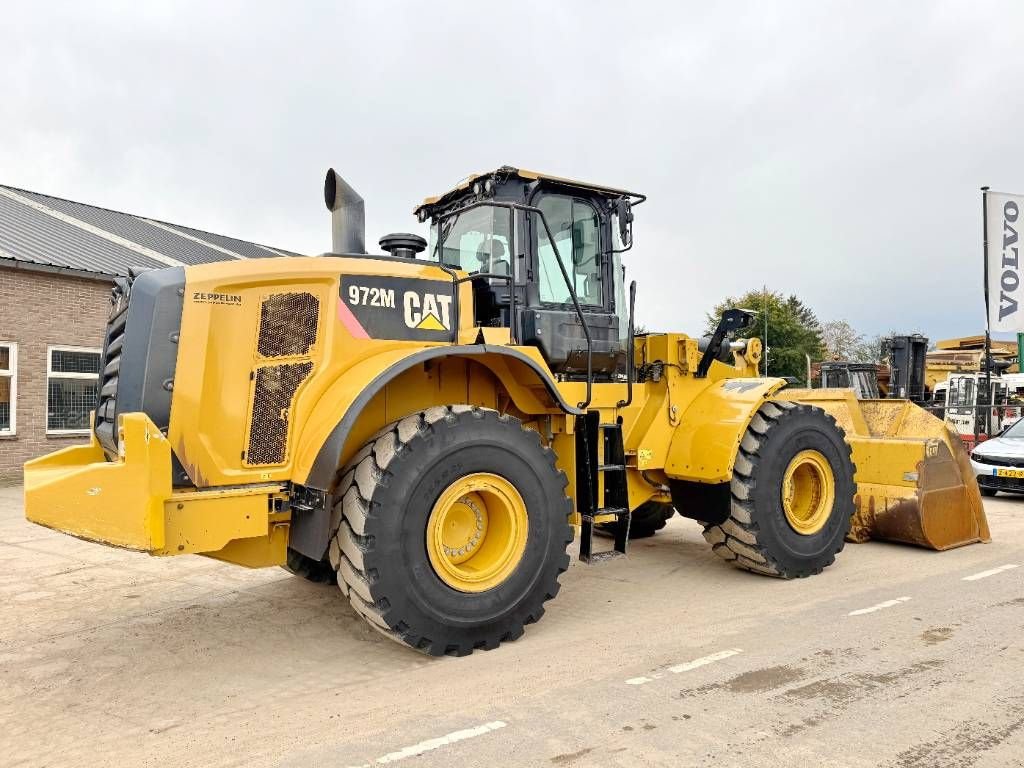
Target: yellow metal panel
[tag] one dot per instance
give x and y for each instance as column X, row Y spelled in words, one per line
column 217, row 354
column 712, row 426
column 129, row 502
column 261, row 552
column 564, row 446
column 77, row 491
column 207, row 521
column 501, row 336
column 442, row 381
column 336, row 400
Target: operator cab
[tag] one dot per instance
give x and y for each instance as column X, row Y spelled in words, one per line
column 543, row 253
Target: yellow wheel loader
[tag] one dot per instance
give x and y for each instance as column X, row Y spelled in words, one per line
column 430, row 426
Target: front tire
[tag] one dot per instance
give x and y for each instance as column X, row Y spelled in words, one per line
column 791, row 494
column 451, row 528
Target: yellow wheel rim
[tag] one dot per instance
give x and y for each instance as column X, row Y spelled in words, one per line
column 476, row 533
column 808, row 492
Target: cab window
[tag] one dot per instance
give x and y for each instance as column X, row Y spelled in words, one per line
column 574, row 227
column 476, row 240
column 961, row 393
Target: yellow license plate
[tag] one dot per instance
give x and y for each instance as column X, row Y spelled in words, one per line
column 1010, row 473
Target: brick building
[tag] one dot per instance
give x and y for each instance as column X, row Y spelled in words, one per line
column 58, row 260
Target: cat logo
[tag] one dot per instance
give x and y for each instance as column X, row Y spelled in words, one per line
column 385, row 307
column 428, row 312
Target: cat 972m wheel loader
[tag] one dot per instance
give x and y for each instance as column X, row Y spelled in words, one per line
column 427, row 428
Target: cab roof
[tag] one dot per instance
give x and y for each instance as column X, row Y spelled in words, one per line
column 506, row 172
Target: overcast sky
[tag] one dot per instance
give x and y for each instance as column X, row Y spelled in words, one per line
column 831, row 150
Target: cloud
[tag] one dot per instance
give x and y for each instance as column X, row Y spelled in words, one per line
column 833, row 150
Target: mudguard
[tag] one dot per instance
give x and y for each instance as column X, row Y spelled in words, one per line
column 322, row 445
column 708, row 433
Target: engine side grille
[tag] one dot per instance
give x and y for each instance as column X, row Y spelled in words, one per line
column 268, row 431
column 288, row 324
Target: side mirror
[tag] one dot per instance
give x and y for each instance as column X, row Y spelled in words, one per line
column 624, row 213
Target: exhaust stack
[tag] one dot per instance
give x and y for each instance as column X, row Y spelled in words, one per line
column 348, row 218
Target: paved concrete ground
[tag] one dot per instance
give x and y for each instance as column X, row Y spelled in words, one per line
column 670, row 658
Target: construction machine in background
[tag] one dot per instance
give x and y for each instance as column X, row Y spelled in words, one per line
column 428, row 426
column 961, row 401
column 906, row 355
column 900, row 372
column 862, row 378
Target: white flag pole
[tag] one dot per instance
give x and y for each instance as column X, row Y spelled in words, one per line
column 988, row 322
column 764, row 293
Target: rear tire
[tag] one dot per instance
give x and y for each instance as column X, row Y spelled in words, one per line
column 317, row 571
column 393, row 561
column 646, row 520
column 791, row 494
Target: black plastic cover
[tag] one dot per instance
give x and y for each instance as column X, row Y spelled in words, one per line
column 560, row 337
column 143, row 357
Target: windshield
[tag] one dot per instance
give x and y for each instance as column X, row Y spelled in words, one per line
column 1014, row 430
column 865, row 384
column 477, row 240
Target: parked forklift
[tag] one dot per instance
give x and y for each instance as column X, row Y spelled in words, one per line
column 429, row 426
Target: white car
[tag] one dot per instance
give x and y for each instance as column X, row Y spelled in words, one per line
column 999, row 461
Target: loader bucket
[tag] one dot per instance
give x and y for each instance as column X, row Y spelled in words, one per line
column 914, row 478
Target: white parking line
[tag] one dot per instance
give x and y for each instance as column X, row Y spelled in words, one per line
column 687, row 666
column 431, row 744
column 880, row 606
column 991, row 572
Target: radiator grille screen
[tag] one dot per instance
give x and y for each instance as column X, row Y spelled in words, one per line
column 288, row 324
column 275, row 388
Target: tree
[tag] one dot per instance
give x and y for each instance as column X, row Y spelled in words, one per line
column 793, row 329
column 840, row 340
column 869, row 350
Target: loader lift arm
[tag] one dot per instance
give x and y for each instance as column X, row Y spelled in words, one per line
column 732, row 320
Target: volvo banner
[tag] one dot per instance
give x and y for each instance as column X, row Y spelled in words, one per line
column 1002, row 259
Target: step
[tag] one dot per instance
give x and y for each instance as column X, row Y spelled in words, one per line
column 603, row 556
column 607, row 512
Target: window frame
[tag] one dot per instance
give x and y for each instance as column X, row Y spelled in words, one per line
column 539, row 232
column 51, row 374
column 12, row 373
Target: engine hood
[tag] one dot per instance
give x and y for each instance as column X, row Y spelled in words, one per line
column 1002, row 447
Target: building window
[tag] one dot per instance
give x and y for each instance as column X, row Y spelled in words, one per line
column 72, row 386
column 8, row 388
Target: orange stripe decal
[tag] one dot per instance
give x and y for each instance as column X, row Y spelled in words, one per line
column 351, row 323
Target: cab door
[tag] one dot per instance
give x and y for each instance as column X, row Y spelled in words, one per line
column 580, row 236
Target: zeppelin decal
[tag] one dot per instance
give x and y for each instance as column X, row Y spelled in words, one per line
column 378, row 307
column 199, row 297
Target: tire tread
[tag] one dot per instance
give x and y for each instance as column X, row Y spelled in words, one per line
column 736, row 540
column 354, row 511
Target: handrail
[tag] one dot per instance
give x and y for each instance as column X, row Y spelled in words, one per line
column 629, row 350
